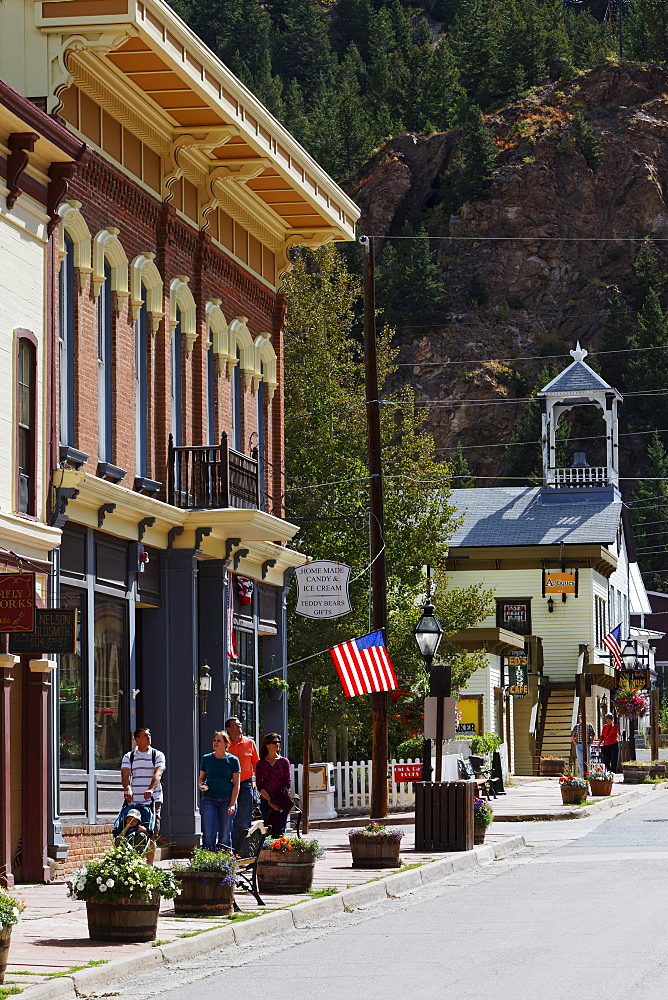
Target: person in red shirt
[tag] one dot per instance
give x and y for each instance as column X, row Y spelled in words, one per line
column 610, row 740
column 243, row 747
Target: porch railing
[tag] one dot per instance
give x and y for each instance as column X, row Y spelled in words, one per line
column 206, row 477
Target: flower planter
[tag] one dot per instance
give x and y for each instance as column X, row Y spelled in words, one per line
column 600, row 788
column 572, row 796
column 634, row 775
column 375, row 851
column 479, row 834
column 657, row 771
column 285, row 871
column 5, row 938
column 204, row 892
column 126, row 920
column 273, row 694
column 551, row 768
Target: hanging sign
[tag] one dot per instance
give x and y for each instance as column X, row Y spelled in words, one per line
column 322, row 589
column 518, row 675
column 17, row 602
column 55, row 632
column 637, row 677
column 560, row 583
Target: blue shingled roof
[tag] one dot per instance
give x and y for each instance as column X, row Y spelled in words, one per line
column 517, row 516
column 578, row 377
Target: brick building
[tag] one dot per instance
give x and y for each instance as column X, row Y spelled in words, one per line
column 168, row 441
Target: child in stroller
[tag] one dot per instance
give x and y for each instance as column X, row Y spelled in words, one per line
column 135, row 824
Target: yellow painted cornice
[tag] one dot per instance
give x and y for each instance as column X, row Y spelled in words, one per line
column 258, row 532
column 518, row 557
column 30, row 539
column 493, row 640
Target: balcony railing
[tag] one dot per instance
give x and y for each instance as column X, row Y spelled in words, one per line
column 586, row 475
column 205, row 477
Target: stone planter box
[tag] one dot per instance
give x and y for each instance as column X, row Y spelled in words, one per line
column 5, row 938
column 204, row 892
column 600, row 788
column 572, row 796
column 375, row 851
column 285, row 871
column 126, row 920
column 552, row 768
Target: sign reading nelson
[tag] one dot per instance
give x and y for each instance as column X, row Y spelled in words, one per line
column 17, row 602
column 322, row 589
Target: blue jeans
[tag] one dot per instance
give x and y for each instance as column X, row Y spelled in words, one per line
column 216, row 823
column 580, row 753
column 244, row 814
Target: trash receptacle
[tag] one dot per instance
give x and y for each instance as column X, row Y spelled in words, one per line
column 444, row 815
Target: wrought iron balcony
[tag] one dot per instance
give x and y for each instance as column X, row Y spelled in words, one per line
column 205, row 477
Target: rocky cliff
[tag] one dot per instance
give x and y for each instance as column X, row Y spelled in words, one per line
column 528, row 269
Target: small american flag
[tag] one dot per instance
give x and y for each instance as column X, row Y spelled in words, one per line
column 364, row 665
column 612, row 644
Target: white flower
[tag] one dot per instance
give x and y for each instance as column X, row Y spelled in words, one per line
column 103, row 888
column 16, row 912
column 98, row 880
column 110, row 883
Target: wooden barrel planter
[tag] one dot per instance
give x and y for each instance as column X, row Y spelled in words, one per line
column 126, row 920
column 551, row 768
column 600, row 788
column 657, row 771
column 635, row 775
column 285, row 871
column 479, row 834
column 375, row 851
column 572, row 796
column 5, row 938
column 203, row 892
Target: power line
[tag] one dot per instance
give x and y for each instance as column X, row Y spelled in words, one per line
column 495, row 361
column 527, row 239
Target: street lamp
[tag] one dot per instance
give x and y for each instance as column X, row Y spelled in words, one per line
column 428, row 633
column 234, row 688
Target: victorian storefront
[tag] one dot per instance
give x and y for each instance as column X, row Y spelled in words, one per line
column 167, row 478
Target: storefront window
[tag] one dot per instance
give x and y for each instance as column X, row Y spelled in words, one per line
column 110, row 672
column 246, row 666
column 71, row 687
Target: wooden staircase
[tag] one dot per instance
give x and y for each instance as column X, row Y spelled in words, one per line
column 555, row 722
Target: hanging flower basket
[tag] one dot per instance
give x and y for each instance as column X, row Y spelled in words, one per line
column 631, row 703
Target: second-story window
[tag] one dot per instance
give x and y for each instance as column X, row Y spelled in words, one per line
column 177, row 381
column 210, row 395
column 261, row 444
column 141, row 387
column 237, row 406
column 26, row 370
column 599, row 619
column 104, row 385
column 66, row 340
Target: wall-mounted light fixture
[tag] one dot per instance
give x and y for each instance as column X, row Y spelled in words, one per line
column 204, row 686
column 234, row 688
column 550, row 604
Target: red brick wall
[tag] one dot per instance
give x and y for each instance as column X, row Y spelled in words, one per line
column 84, row 843
column 147, row 225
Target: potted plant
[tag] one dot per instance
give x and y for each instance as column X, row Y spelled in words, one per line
column 630, row 702
column 273, row 688
column 635, row 771
column 206, row 883
column 122, row 893
column 10, row 914
column 287, row 864
column 600, row 780
column 573, row 788
column 374, row 846
column 483, row 814
column 552, row 767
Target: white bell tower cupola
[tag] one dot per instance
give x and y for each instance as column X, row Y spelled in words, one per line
column 579, row 385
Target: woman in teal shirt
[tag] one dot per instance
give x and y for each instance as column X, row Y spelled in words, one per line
column 219, row 784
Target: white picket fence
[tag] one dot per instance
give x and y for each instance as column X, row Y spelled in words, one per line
column 352, row 784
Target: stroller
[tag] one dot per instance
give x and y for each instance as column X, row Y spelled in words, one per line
column 135, row 824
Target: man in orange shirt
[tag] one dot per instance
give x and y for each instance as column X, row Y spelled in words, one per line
column 244, row 749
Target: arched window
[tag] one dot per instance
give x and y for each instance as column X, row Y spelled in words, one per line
column 261, row 442
column 141, row 384
column 26, row 372
column 211, row 395
column 237, row 406
column 66, row 341
column 104, row 367
column 177, row 380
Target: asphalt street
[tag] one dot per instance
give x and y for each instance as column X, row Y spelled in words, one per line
column 580, row 912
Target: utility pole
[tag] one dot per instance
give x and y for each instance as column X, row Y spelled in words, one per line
column 379, row 747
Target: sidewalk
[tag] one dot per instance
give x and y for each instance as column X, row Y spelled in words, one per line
column 52, row 938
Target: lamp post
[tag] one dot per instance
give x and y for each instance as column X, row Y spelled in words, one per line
column 204, row 686
column 635, row 656
column 428, row 633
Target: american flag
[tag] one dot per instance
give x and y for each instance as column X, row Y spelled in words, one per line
column 364, row 665
column 612, row 644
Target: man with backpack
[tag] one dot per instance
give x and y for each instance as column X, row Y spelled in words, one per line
column 141, row 774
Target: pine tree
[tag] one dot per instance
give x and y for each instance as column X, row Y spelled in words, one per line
column 651, row 506
column 646, row 30
column 442, row 98
column 476, row 158
column 410, row 286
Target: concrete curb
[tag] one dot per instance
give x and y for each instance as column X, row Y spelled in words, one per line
column 88, row 981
